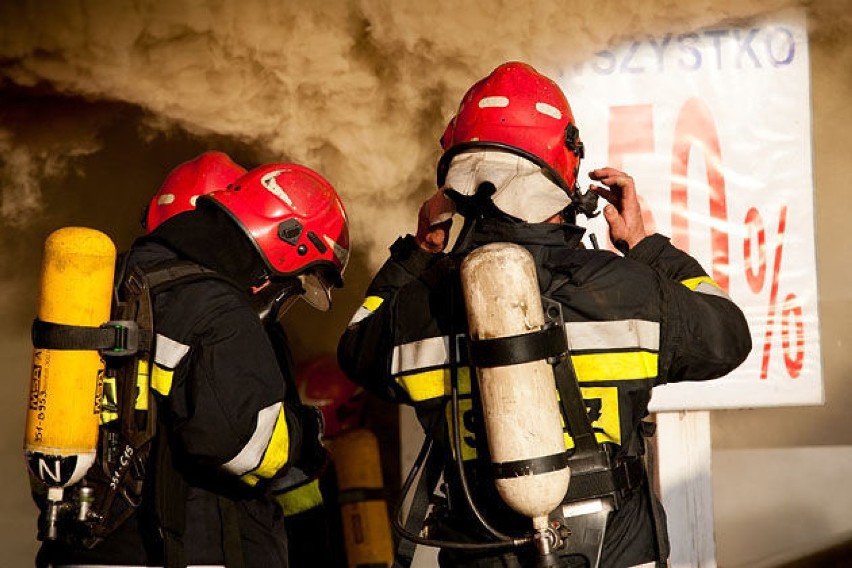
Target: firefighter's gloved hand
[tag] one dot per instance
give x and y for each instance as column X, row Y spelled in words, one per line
column 313, row 456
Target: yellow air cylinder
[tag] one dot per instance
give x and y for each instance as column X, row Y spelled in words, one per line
column 66, row 386
column 366, row 528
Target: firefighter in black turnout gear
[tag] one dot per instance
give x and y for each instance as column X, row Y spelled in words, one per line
column 229, row 435
column 649, row 317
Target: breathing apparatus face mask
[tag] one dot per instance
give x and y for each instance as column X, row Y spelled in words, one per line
column 274, row 299
column 316, row 290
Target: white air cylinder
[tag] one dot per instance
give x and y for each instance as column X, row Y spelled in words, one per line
column 519, row 401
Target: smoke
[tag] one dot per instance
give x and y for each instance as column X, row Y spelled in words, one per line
column 359, row 89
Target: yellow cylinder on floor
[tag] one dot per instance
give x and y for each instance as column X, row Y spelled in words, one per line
column 66, row 385
column 366, row 528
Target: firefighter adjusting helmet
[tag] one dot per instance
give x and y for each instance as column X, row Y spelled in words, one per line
column 323, row 385
column 516, row 109
column 211, row 171
column 297, row 223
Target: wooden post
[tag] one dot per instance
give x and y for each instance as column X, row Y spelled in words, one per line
column 685, row 476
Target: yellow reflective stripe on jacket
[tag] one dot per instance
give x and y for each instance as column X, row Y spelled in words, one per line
column 467, row 437
column 615, row 366
column 300, row 499
column 266, row 451
column 433, row 384
column 277, row 451
column 606, row 421
column 161, row 380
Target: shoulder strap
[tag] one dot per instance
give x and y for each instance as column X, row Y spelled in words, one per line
column 166, row 275
column 170, row 489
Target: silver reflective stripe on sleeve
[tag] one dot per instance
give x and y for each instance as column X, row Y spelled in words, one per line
column 620, row 334
column 704, row 285
column 168, row 352
column 251, row 454
column 582, row 336
column 368, row 306
column 712, row 290
column 423, row 354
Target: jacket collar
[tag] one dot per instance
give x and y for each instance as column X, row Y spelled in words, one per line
column 489, row 230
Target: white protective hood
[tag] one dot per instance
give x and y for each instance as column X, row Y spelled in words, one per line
column 522, row 190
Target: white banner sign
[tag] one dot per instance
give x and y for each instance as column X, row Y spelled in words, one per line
column 715, row 128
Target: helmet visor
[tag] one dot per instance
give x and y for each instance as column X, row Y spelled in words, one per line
column 317, row 290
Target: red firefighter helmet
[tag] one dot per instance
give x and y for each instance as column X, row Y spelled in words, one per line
column 295, row 219
column 322, row 384
column 519, row 110
column 208, row 172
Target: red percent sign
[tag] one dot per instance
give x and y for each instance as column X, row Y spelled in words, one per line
column 791, row 309
column 631, row 131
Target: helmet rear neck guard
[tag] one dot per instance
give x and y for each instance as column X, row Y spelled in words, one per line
column 518, row 110
column 293, row 217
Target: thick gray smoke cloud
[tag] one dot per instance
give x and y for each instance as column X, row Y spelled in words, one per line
column 358, row 89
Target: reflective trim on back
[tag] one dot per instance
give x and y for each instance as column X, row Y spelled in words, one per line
column 582, row 336
column 433, row 384
column 619, row 334
column 618, row 366
column 422, row 354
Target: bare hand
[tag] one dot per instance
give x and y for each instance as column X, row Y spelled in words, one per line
column 623, row 213
column 433, row 223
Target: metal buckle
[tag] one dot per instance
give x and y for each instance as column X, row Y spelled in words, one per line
column 126, row 338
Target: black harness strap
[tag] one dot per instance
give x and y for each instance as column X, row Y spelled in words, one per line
column 515, row 349
column 119, row 338
column 533, row 466
column 361, row 494
column 429, row 476
column 113, row 337
column 626, row 476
